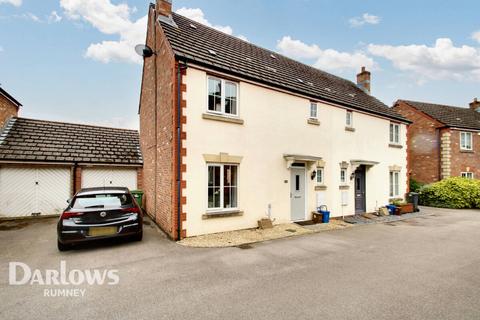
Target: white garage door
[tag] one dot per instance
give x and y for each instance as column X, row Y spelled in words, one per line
column 30, row 191
column 106, row 177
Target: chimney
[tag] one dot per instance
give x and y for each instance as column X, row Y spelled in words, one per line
column 164, row 7
column 475, row 105
column 363, row 80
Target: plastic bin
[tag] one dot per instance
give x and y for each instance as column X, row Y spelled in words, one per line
column 413, row 198
column 391, row 209
column 138, row 195
column 325, row 214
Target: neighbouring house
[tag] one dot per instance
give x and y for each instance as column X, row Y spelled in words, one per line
column 9, row 107
column 43, row 163
column 443, row 140
column 232, row 133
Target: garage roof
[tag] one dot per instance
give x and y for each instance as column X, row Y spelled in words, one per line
column 49, row 141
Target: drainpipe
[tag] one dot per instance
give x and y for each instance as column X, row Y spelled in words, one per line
column 155, row 110
column 179, row 148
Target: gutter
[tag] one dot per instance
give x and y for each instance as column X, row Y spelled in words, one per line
column 179, row 148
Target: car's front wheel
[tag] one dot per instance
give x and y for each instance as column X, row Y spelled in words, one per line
column 62, row 246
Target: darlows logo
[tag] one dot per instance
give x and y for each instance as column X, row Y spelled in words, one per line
column 20, row 273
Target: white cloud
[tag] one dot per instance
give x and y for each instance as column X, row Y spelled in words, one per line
column 197, row 14
column 109, row 19
column 366, row 18
column 31, row 16
column 441, row 61
column 476, row 36
column 16, row 3
column 325, row 59
column 54, row 17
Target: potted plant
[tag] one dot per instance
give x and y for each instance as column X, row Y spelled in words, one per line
column 403, row 207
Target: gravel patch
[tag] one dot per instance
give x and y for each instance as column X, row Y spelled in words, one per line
column 240, row 237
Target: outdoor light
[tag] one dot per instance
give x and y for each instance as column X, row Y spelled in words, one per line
column 144, row 50
column 352, row 175
column 314, row 174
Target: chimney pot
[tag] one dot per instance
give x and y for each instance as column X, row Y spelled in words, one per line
column 164, row 7
column 363, row 80
column 475, row 105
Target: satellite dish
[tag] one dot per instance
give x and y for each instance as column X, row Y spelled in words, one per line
column 144, row 50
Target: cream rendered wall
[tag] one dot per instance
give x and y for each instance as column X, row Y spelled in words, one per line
column 275, row 124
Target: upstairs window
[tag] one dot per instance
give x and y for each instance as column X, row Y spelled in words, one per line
column 313, row 110
column 349, row 119
column 466, row 141
column 394, row 133
column 222, row 96
column 467, row 175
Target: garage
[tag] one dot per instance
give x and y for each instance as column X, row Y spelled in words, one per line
column 34, row 191
column 44, row 163
column 109, row 177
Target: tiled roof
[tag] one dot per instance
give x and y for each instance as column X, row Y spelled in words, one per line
column 48, row 141
column 192, row 41
column 449, row 115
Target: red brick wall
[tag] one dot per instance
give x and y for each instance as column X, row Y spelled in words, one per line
column 465, row 161
column 422, row 144
column 7, row 110
column 77, row 176
column 157, row 134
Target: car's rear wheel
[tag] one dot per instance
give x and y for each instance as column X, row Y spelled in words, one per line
column 62, row 246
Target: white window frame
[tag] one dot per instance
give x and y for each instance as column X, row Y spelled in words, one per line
column 320, row 173
column 465, row 146
column 314, row 104
column 394, row 184
column 343, row 176
column 349, row 119
column 223, row 83
column 222, row 166
column 466, row 175
column 394, row 135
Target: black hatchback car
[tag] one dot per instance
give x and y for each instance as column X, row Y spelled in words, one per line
column 99, row 213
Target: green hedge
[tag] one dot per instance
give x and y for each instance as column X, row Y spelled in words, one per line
column 457, row 193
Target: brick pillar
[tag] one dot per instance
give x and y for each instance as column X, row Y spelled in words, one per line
column 140, row 178
column 78, row 179
column 445, row 154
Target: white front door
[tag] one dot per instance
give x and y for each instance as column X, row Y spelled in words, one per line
column 109, row 177
column 297, row 193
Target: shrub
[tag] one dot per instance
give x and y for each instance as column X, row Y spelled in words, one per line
column 457, row 193
column 415, row 185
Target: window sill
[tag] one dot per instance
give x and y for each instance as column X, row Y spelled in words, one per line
column 222, row 118
column 320, row 187
column 313, row 121
column 344, row 187
column 466, row 151
column 222, row 214
column 351, row 129
column 395, row 145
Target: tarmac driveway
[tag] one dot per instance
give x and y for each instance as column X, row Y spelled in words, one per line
column 423, row 268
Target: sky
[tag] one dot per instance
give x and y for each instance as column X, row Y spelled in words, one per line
column 74, row 60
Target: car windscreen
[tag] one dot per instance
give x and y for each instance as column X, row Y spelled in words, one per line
column 104, row 200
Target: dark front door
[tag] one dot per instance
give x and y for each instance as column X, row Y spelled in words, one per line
column 360, row 204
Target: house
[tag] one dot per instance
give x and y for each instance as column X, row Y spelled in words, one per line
column 9, row 107
column 443, row 140
column 231, row 133
column 43, row 163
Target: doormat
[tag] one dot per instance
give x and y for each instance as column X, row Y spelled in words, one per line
column 357, row 219
column 305, row 223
